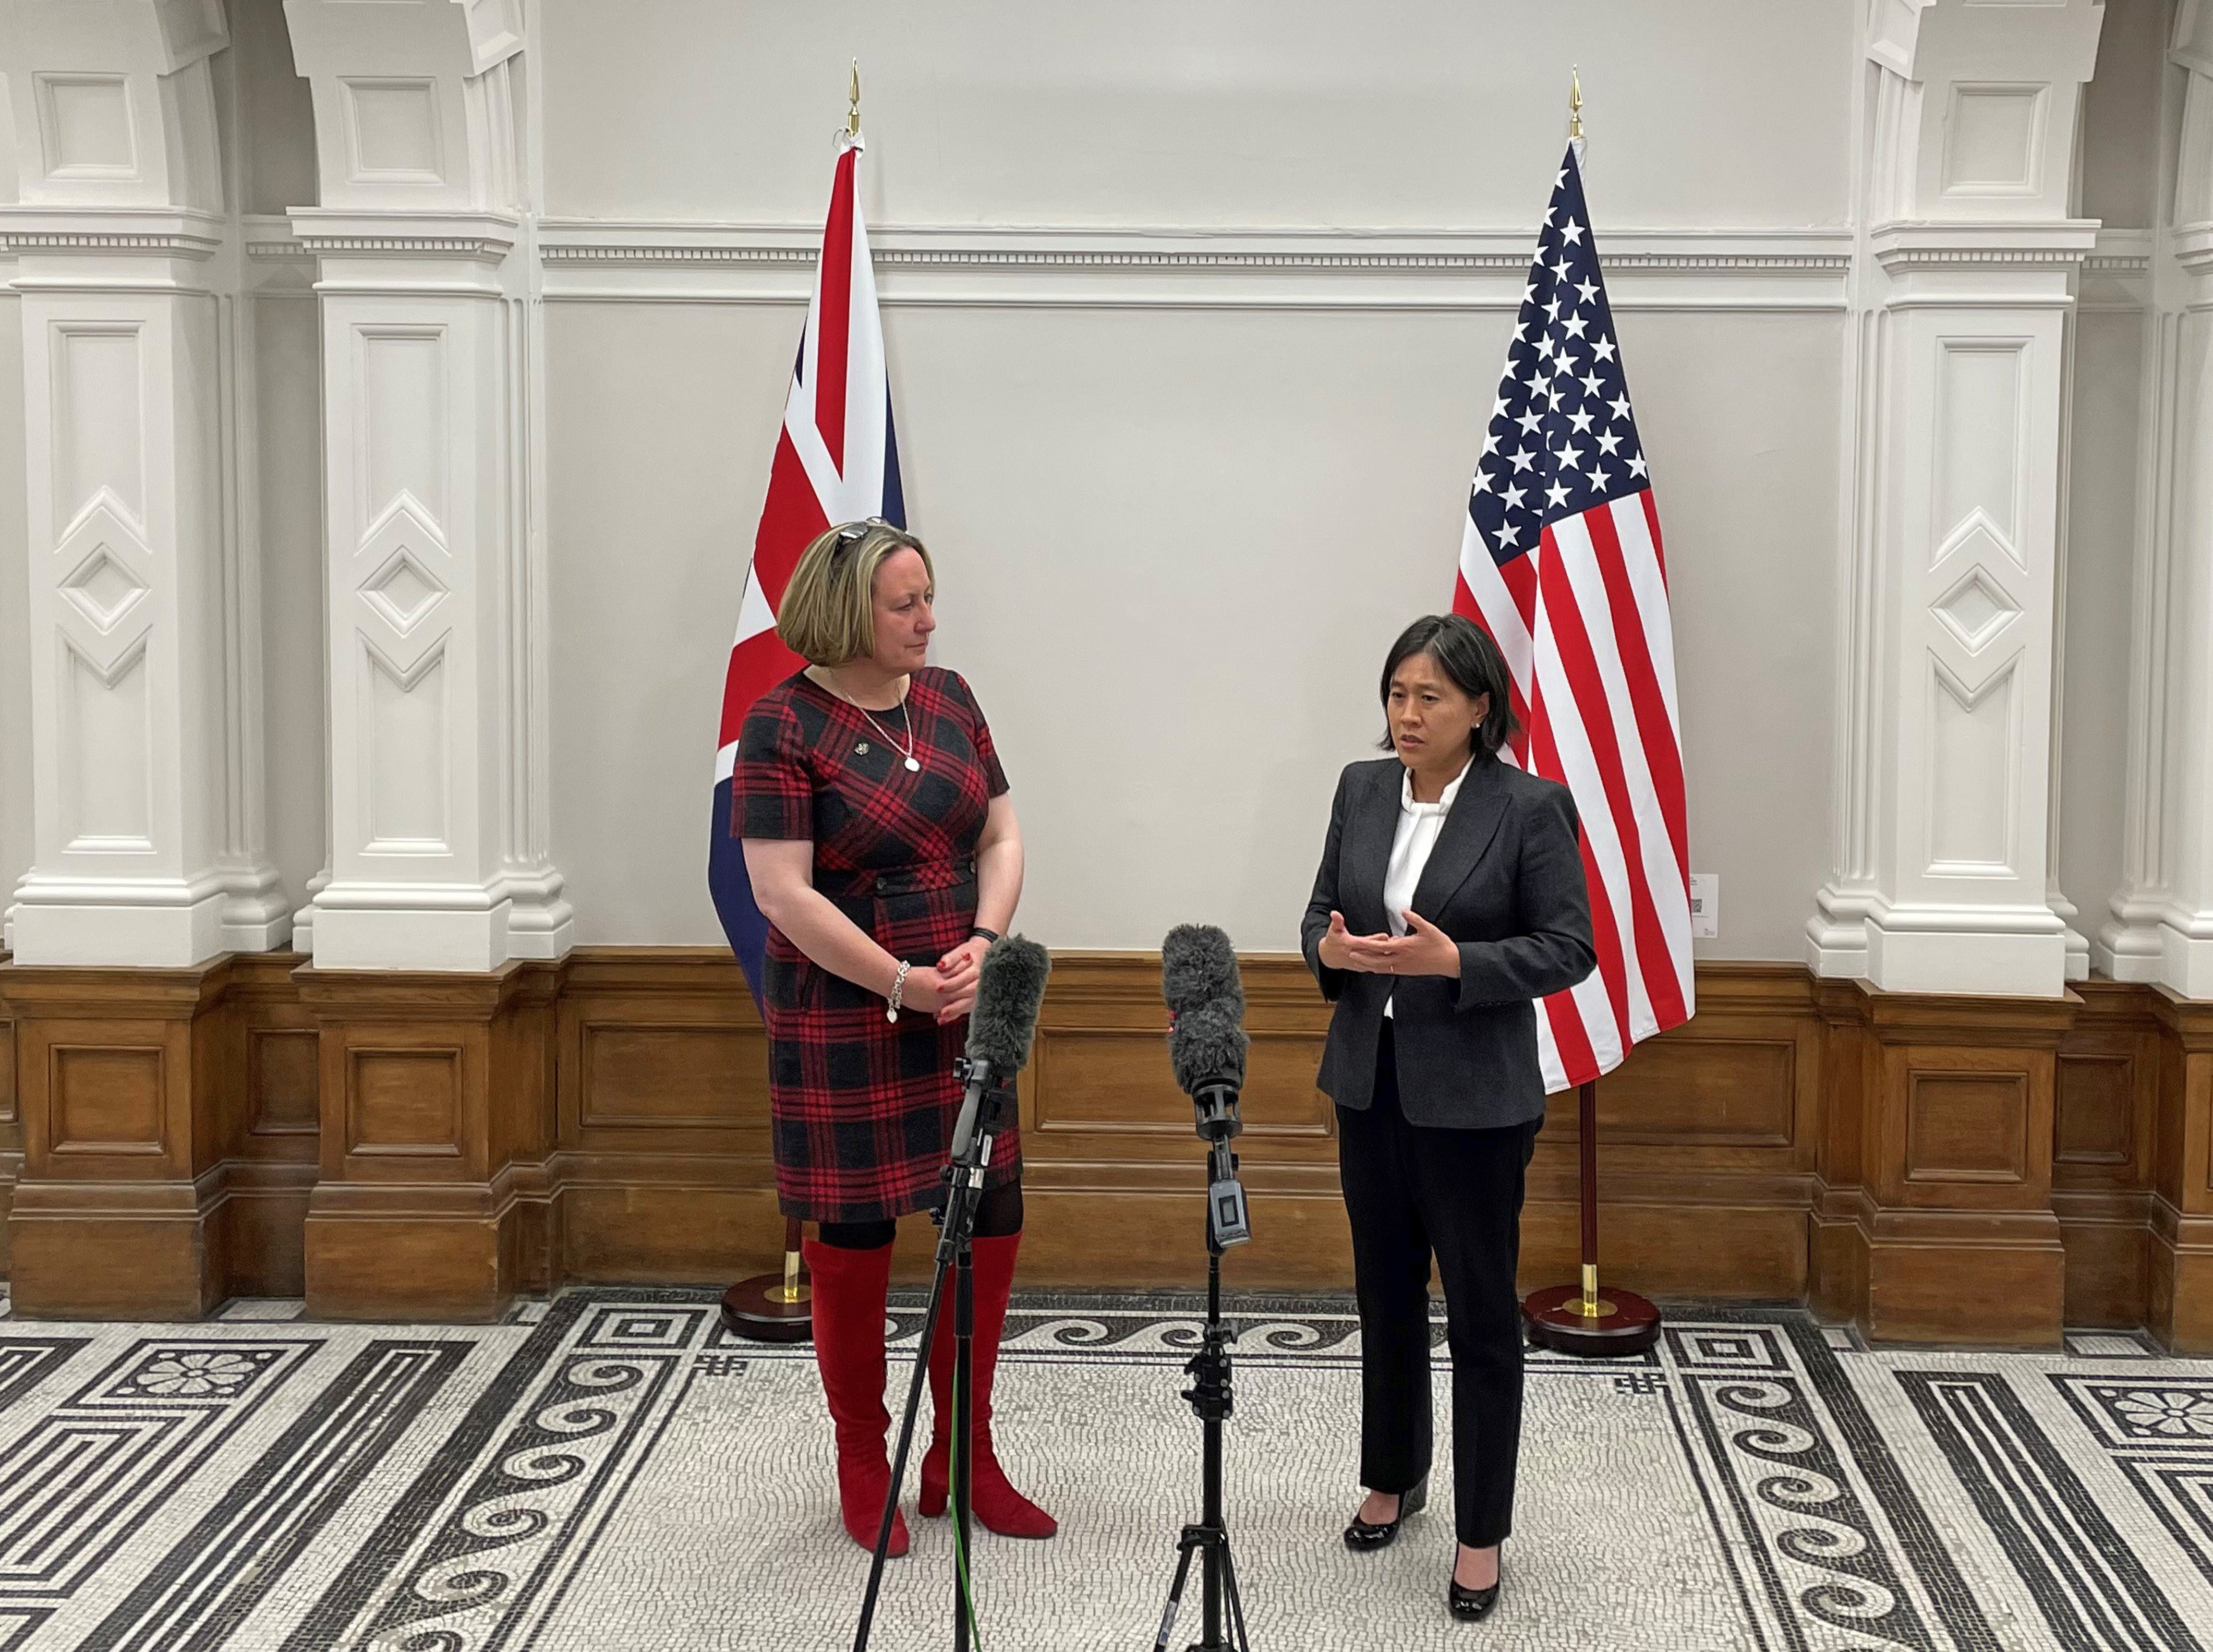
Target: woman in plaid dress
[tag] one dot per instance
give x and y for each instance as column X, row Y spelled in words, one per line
column 883, row 848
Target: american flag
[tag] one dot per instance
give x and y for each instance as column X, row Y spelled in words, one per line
column 1561, row 563
column 836, row 461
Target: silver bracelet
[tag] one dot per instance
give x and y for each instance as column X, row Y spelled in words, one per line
column 899, row 991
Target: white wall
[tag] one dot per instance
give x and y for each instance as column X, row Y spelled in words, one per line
column 286, row 351
column 279, row 174
column 1174, row 549
column 274, row 105
column 16, row 802
column 15, row 818
column 1402, row 113
column 2118, row 168
column 2120, row 142
column 1178, row 528
column 2101, row 537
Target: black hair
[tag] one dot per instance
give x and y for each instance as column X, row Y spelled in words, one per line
column 1466, row 653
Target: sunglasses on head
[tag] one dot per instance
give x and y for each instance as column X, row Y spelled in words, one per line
column 853, row 533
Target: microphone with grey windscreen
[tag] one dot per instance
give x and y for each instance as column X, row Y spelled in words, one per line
column 1009, row 992
column 1197, row 966
column 1207, row 1046
column 1206, row 1003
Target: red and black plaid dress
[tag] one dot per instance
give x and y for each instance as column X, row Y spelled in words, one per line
column 863, row 1109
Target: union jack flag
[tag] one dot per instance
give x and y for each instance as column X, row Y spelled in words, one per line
column 1561, row 563
column 836, row 461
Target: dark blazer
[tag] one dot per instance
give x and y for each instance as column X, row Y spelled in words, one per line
column 1505, row 881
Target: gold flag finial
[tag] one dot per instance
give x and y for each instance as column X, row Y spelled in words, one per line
column 853, row 113
column 1575, row 103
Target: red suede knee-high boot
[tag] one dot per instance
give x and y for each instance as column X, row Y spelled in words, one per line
column 849, row 1352
column 997, row 1504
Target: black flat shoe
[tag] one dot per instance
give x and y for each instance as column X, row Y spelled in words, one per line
column 1365, row 1537
column 1471, row 1605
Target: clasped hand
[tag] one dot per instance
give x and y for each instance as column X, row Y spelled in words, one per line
column 949, row 992
column 1424, row 949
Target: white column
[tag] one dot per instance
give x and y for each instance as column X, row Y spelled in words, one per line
column 145, row 617
column 2161, row 926
column 425, row 243
column 1964, row 289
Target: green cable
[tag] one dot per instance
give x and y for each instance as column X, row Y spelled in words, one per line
column 959, row 1549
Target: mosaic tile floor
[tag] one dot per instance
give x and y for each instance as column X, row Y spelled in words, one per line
column 609, row 1473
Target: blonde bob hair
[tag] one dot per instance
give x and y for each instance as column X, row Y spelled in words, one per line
column 829, row 612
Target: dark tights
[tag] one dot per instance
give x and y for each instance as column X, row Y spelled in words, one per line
column 999, row 1215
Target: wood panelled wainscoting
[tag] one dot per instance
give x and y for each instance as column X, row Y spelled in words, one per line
column 1965, row 1170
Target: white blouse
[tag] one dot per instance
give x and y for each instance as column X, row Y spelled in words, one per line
column 1410, row 844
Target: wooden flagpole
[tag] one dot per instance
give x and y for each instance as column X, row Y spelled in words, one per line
column 1576, row 1318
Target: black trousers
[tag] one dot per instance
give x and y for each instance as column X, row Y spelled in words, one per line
column 1411, row 1191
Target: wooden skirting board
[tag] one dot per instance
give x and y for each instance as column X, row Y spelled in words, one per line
column 1955, row 1169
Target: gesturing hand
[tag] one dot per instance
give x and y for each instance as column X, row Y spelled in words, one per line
column 1427, row 949
column 1424, row 949
column 1341, row 950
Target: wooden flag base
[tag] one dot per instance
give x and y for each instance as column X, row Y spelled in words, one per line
column 773, row 1307
column 1585, row 1319
column 1627, row 1324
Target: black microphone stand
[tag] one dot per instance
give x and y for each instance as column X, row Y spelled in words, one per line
column 983, row 1113
column 1228, row 1224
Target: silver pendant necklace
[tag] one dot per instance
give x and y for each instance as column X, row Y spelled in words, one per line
column 913, row 763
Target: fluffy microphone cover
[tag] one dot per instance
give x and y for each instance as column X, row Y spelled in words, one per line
column 1207, row 1046
column 1010, row 991
column 1199, row 967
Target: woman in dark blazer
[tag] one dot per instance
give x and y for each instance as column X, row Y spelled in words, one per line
column 1450, row 897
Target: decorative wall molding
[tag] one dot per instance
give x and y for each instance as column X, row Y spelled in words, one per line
column 402, row 247
column 2117, row 274
column 159, row 232
column 436, row 605
column 268, row 238
column 125, row 1075
column 1960, row 380
column 2061, row 244
column 148, row 846
column 27, row 240
column 605, row 1117
column 2192, row 248
column 1937, row 1165
column 585, row 240
column 2160, row 924
column 416, row 106
column 479, row 237
column 2178, row 1288
column 2120, row 252
column 646, row 260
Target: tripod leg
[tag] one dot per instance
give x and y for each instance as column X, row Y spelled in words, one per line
column 1176, row 1594
column 905, row 1445
column 1236, row 1601
column 898, row 1460
column 964, row 1336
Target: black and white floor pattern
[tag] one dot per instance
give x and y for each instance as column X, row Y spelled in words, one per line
column 610, row 1472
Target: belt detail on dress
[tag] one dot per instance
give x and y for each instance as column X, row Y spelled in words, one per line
column 928, row 876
